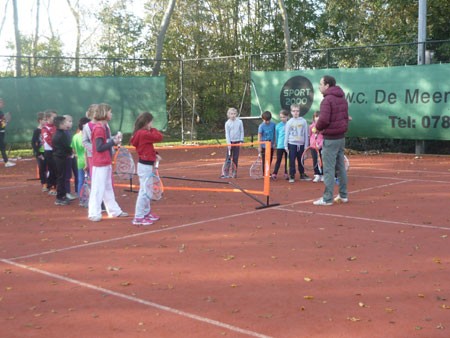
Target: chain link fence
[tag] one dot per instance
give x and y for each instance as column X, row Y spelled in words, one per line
column 199, row 91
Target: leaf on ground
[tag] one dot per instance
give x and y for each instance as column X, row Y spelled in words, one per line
column 210, row 299
column 114, row 268
column 440, row 326
column 352, row 258
column 308, row 297
column 444, row 236
column 354, row 319
column 389, row 310
column 228, row 257
column 307, row 279
column 445, row 306
column 234, row 285
column 361, row 304
column 437, row 260
column 125, row 283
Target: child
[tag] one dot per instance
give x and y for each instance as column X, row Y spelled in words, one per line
column 71, row 165
column 79, row 150
column 295, row 142
column 101, row 175
column 266, row 132
column 316, row 140
column 86, row 135
column 144, row 136
column 61, row 151
column 47, row 132
column 38, row 151
column 234, row 134
column 3, row 123
column 281, row 152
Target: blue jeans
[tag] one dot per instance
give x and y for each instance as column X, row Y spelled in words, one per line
column 333, row 161
column 80, row 174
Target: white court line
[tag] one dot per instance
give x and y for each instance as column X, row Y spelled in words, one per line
column 285, row 208
column 352, row 192
column 367, row 219
column 15, row 187
column 138, row 300
column 402, row 178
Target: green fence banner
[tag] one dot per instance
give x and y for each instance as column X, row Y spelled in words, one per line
column 410, row 102
column 128, row 97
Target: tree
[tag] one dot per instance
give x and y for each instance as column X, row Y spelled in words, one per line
column 76, row 15
column 161, row 34
column 17, row 39
column 287, row 37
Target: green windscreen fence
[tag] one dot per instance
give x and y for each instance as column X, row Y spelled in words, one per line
column 410, row 102
column 128, row 97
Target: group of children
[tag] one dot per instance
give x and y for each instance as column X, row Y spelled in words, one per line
column 289, row 138
column 90, row 151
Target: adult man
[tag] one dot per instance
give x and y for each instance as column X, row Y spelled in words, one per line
column 333, row 124
column 3, row 123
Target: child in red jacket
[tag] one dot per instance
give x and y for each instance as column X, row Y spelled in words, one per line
column 144, row 136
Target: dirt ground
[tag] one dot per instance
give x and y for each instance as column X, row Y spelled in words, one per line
column 216, row 266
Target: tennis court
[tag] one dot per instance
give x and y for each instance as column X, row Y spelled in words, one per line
column 216, row 266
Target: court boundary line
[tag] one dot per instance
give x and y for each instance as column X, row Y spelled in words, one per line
column 138, row 300
column 434, row 227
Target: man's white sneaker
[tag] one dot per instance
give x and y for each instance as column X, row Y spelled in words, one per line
column 71, row 197
column 316, row 178
column 339, row 199
column 9, row 164
column 320, row 201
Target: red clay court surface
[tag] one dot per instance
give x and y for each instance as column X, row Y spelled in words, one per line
column 215, row 266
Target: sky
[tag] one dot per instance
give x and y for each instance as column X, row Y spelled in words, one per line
column 61, row 19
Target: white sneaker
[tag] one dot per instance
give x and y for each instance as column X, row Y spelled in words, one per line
column 95, row 218
column 291, row 180
column 339, row 199
column 9, row 164
column 71, row 197
column 322, row 179
column 316, row 178
column 320, row 201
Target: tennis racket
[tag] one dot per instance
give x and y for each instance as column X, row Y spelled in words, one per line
column 153, row 186
column 228, row 168
column 85, row 191
column 124, row 166
column 256, row 170
column 311, row 158
column 158, row 187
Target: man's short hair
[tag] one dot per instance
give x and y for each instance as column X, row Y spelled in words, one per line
column 329, row 80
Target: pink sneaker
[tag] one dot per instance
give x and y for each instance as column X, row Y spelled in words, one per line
column 151, row 217
column 142, row 221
